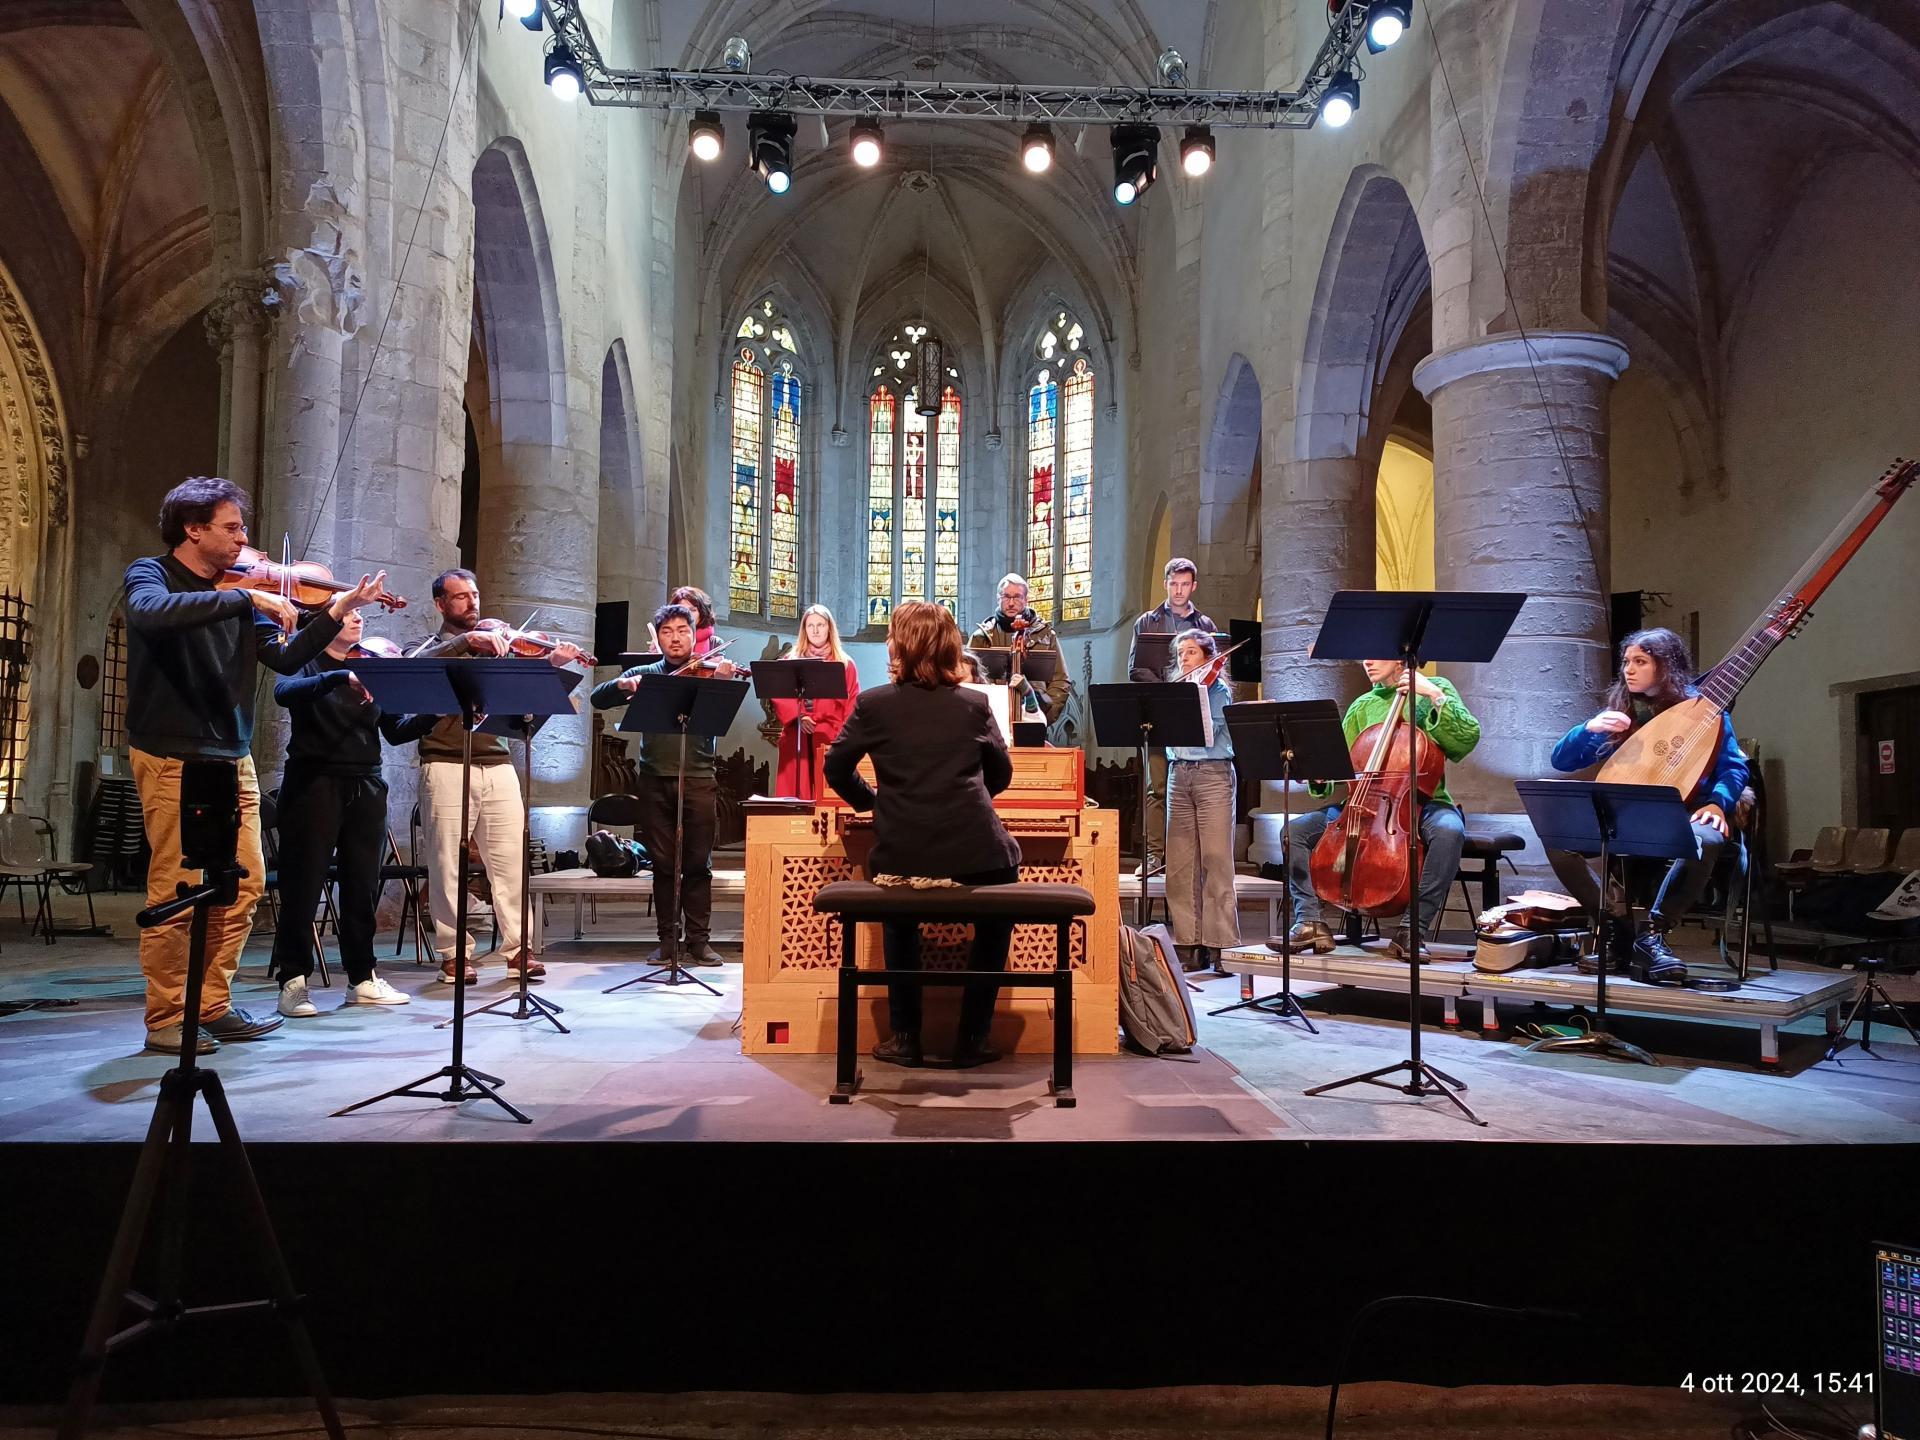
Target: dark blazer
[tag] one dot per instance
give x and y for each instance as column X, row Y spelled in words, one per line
column 939, row 758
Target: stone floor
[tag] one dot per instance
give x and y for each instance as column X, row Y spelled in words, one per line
column 665, row 1065
column 1257, row 1413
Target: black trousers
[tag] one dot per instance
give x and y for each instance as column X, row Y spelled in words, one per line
column 321, row 817
column 901, row 945
column 696, row 850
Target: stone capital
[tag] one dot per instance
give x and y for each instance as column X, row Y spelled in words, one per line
column 1559, row 349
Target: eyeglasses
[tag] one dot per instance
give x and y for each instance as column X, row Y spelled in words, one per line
column 237, row 527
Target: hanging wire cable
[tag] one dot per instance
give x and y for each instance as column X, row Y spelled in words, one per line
column 399, row 277
column 1580, row 514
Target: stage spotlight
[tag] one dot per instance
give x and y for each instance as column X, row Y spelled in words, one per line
column 1340, row 99
column 705, row 136
column 1387, row 21
column 770, row 148
column 563, row 73
column 530, row 13
column 1196, row 150
column 1136, row 151
column 1173, row 70
column 867, row 142
column 737, row 56
column 1036, row 150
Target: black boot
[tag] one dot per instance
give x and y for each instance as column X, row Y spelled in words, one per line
column 1616, row 943
column 1654, row 961
column 900, row 1050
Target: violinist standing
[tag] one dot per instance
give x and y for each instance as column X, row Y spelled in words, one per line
column 1201, row 783
column 191, row 652
column 808, row 728
column 1440, row 712
column 1176, row 613
column 496, row 810
column 333, row 803
column 658, row 766
column 998, row 631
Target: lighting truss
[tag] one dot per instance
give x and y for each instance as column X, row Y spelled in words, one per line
column 689, row 90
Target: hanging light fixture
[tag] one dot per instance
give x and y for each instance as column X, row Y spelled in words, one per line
column 705, row 136
column 1036, row 150
column 563, row 73
column 933, row 368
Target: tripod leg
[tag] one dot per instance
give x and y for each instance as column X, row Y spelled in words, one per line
column 288, row 1301
column 147, row 1178
column 1448, row 1089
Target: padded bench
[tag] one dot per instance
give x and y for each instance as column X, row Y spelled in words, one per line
column 1022, row 903
column 1480, row 860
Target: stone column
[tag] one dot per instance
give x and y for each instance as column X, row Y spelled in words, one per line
column 1520, row 504
column 1316, row 525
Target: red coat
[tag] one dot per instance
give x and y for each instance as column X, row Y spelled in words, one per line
column 795, row 776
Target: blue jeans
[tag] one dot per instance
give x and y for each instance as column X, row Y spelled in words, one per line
column 1443, row 834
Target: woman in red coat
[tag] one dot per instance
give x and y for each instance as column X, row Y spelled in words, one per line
column 805, row 733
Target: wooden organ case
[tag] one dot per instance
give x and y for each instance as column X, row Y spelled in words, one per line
column 791, row 953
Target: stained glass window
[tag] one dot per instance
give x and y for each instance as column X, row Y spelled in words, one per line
column 1058, row 535
column 880, row 412
column 946, row 504
column 1043, row 405
column 913, row 485
column 768, row 397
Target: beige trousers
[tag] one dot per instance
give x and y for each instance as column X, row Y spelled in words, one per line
column 496, row 822
column 164, row 948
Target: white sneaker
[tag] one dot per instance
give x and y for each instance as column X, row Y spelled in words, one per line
column 294, row 1001
column 376, row 992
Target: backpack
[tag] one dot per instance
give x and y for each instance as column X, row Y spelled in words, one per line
column 613, row 857
column 1155, row 1014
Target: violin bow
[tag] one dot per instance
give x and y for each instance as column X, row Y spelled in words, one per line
column 1193, row 670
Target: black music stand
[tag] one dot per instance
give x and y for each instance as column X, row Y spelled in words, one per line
column 632, row 659
column 470, row 689
column 1591, row 817
column 683, row 705
column 1037, row 667
column 1138, row 716
column 1465, row 627
column 1152, row 650
column 805, row 681
column 1286, row 740
column 524, row 727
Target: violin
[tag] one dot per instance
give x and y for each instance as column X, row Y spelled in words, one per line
column 1215, row 667
column 530, row 644
column 374, row 647
column 307, row 583
column 1361, row 861
column 707, row 662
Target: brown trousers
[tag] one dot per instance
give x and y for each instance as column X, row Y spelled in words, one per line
column 164, row 948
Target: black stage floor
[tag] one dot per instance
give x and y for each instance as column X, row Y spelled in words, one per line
column 1703, row 1216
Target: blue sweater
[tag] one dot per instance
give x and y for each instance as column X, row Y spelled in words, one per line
column 1581, row 747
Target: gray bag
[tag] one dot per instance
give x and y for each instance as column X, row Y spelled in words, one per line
column 1155, row 1014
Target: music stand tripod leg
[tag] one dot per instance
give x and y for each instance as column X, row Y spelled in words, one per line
column 1289, row 1007
column 670, row 945
column 529, row 1006
column 1598, row 1040
column 463, row 1081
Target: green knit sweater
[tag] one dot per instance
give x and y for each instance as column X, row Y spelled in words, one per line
column 1450, row 725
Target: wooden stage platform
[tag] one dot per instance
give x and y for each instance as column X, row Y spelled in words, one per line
column 671, row 1185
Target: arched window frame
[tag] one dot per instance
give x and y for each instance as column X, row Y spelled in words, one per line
column 767, row 415
column 1060, row 389
column 916, row 475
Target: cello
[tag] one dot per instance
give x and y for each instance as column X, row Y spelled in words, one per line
column 1361, row 862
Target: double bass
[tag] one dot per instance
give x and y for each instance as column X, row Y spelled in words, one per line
column 1361, row 863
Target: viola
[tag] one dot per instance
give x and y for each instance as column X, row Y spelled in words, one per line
column 1213, row 668
column 374, row 647
column 307, row 583
column 709, row 661
column 1361, row 862
column 530, row 644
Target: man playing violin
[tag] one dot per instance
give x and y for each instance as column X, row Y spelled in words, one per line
column 192, row 649
column 658, row 766
column 496, row 810
column 659, row 772
column 1439, row 711
column 1014, row 619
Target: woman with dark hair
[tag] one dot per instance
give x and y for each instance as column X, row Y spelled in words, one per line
column 701, row 604
column 1656, row 671
column 939, row 760
column 1200, row 788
